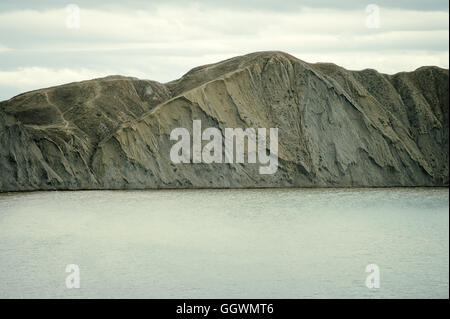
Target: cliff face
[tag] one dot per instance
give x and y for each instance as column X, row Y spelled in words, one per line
column 335, row 127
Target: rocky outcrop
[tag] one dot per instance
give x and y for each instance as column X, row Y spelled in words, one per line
column 335, row 127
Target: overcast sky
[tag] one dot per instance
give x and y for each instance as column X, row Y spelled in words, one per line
column 41, row 44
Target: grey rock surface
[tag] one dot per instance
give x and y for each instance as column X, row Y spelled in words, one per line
column 335, row 128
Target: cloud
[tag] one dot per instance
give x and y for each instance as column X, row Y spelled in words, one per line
column 162, row 41
column 4, row 49
column 35, row 77
column 389, row 63
column 166, row 25
column 263, row 5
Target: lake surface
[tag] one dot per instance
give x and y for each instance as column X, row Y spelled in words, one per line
column 272, row 243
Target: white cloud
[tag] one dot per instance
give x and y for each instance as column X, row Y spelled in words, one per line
column 3, row 48
column 390, row 62
column 37, row 77
column 170, row 24
column 163, row 43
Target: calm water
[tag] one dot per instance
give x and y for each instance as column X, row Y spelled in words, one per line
column 225, row 243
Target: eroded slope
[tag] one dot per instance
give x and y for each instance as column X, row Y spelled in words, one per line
column 336, row 127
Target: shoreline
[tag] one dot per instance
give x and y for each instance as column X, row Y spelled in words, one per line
column 225, row 188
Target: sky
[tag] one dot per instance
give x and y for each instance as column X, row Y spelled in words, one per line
column 46, row 43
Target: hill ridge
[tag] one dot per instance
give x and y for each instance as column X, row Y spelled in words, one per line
column 337, row 127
